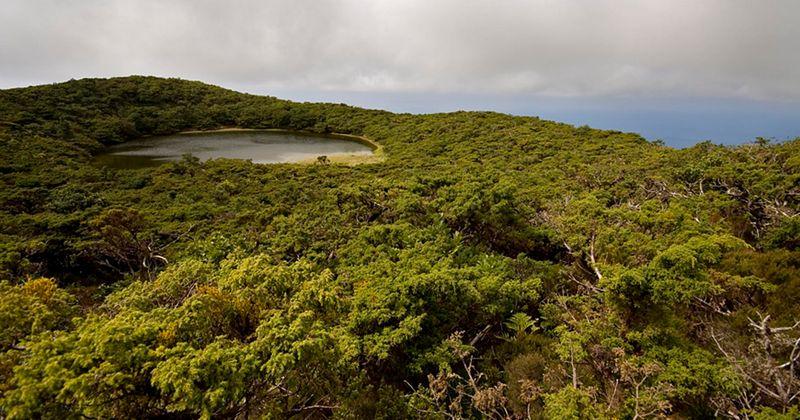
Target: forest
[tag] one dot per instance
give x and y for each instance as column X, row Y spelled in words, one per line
column 491, row 266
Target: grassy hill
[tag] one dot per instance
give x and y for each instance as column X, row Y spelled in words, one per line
column 491, row 266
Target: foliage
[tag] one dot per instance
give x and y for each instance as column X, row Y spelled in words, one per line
column 490, row 266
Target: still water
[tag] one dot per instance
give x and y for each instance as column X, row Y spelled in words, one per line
column 257, row 146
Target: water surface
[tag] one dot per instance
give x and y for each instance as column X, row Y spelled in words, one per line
column 258, row 146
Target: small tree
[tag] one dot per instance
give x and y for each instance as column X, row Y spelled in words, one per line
column 123, row 244
column 769, row 364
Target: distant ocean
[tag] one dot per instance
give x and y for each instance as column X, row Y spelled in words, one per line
column 679, row 122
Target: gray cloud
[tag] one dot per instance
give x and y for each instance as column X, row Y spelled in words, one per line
column 719, row 48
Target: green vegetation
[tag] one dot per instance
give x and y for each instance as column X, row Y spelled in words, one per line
column 490, row 266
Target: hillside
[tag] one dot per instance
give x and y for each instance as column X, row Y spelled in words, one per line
column 492, row 266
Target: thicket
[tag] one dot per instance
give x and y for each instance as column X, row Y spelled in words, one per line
column 492, row 266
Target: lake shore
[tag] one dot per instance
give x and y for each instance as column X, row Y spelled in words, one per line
column 378, row 155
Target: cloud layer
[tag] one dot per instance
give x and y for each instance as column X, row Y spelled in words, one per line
column 639, row 48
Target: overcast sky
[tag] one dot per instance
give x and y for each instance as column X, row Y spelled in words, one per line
column 722, row 49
